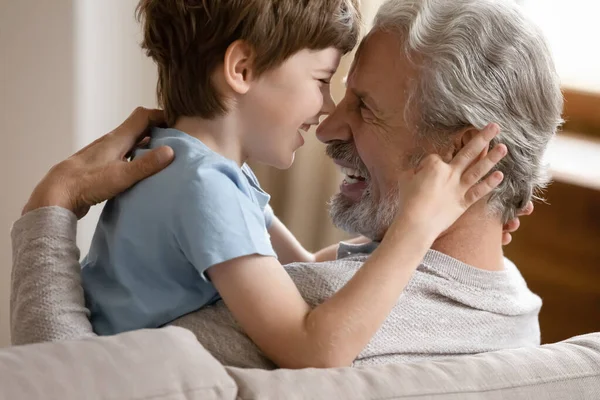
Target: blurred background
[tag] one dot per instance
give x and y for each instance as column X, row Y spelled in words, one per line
column 72, row 70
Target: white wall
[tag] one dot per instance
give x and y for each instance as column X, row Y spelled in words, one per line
column 113, row 76
column 69, row 72
column 36, row 110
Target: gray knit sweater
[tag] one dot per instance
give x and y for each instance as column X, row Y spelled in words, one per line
column 448, row 308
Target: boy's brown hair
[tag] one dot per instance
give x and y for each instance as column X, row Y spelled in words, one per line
column 188, row 39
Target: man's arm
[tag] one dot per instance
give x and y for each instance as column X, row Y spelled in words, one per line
column 289, row 249
column 46, row 296
column 47, row 301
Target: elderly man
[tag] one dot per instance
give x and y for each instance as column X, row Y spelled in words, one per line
column 425, row 79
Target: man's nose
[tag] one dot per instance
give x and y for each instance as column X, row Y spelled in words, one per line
column 335, row 126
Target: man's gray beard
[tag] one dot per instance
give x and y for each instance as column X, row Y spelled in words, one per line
column 366, row 217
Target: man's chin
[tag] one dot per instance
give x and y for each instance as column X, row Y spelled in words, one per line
column 368, row 216
column 355, row 217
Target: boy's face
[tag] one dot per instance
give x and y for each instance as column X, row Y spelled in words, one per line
column 285, row 102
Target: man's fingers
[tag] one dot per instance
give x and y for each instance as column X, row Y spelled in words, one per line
column 143, row 143
column 142, row 167
column 135, row 126
column 472, row 150
column 480, row 169
column 95, row 142
column 483, row 188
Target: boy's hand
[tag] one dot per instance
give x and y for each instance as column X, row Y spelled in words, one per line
column 514, row 224
column 439, row 192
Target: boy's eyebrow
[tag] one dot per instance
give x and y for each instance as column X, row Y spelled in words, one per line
column 328, row 70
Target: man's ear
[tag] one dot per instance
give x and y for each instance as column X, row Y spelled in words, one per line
column 461, row 138
column 238, row 66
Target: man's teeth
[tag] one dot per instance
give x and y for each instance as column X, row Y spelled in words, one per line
column 352, row 175
column 350, row 181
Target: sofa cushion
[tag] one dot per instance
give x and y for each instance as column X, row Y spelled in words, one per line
column 153, row 364
column 566, row 370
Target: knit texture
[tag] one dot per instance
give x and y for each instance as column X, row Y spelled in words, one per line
column 448, row 308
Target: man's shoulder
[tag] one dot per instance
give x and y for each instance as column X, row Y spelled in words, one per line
column 441, row 278
column 436, row 263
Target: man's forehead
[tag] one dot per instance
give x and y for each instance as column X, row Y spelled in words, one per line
column 379, row 66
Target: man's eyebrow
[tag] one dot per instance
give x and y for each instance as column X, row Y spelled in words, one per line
column 365, row 97
column 361, row 94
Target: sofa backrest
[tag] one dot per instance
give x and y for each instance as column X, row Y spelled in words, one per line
column 169, row 364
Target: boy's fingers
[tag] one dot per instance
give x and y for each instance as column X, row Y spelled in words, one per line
column 528, row 210
column 506, row 238
column 512, row 225
column 480, row 169
column 483, row 188
column 471, row 151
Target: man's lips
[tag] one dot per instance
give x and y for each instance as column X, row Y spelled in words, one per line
column 354, row 182
column 353, row 191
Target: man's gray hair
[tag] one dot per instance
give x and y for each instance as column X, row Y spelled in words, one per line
column 481, row 61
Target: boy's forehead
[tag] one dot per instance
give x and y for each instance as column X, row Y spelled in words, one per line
column 329, row 59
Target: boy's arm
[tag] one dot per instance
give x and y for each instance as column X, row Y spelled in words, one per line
column 286, row 246
column 265, row 301
column 268, row 306
column 289, row 249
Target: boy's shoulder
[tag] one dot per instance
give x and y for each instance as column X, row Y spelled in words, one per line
column 198, row 168
column 188, row 149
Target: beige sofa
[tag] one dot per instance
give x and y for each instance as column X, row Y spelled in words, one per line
column 169, row 364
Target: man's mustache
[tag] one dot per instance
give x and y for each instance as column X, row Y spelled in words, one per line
column 346, row 152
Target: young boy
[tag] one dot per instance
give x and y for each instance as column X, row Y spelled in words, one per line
column 239, row 81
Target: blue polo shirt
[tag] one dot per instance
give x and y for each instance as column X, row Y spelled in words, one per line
column 153, row 244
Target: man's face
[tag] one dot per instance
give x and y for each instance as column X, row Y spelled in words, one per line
column 368, row 137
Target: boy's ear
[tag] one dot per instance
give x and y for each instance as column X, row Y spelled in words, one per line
column 238, row 64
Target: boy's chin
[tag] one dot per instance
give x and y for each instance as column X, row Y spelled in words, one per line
column 285, row 163
column 281, row 161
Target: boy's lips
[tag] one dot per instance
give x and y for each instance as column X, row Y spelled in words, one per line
column 301, row 138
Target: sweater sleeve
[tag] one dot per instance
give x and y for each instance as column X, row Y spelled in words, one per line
column 47, row 302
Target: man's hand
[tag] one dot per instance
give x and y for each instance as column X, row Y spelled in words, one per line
column 514, row 224
column 101, row 170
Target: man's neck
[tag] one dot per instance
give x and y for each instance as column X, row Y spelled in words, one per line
column 475, row 239
column 221, row 135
